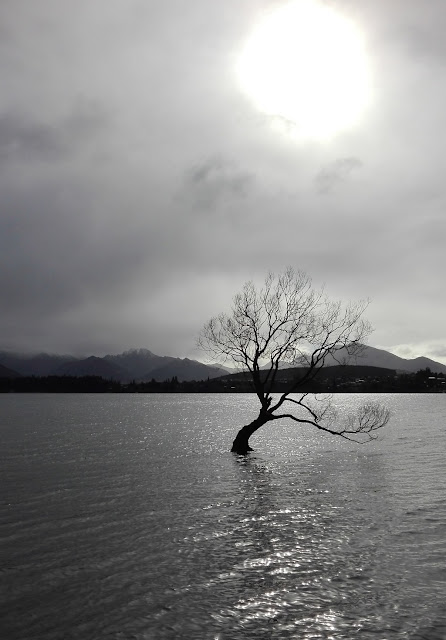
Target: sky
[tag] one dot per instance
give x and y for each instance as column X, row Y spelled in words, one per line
column 143, row 182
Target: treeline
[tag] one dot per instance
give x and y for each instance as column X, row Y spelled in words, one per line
column 347, row 379
column 59, row 384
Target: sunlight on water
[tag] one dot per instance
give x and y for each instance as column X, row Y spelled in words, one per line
column 126, row 517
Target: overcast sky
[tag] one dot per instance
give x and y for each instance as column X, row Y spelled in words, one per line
column 141, row 185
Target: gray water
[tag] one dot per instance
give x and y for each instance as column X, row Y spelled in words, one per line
column 125, row 516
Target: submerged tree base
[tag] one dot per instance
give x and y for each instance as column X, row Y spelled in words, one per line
column 241, row 442
column 241, row 451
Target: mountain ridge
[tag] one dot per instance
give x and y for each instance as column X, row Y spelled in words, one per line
column 375, row 357
column 143, row 364
column 6, row 372
column 133, row 364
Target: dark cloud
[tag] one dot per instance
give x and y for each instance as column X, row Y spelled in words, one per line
column 25, row 140
column 209, row 183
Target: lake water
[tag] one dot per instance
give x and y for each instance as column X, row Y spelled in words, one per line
column 125, row 517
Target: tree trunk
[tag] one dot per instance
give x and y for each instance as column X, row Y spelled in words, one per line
column 241, row 442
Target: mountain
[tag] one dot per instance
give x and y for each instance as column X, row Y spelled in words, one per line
column 184, row 369
column 224, row 368
column 142, row 364
column 287, row 375
column 93, row 366
column 139, row 362
column 42, row 364
column 423, row 363
column 374, row 357
column 134, row 364
column 5, row 372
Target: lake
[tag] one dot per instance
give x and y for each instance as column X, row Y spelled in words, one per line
column 126, row 517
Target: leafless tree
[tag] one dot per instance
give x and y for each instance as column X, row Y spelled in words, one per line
column 288, row 321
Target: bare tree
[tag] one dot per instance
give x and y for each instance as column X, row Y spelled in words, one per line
column 288, row 321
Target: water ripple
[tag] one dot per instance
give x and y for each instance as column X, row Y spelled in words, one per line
column 125, row 517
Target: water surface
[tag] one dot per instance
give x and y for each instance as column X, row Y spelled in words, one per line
column 125, row 516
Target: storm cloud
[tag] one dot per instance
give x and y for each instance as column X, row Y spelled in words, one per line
column 141, row 187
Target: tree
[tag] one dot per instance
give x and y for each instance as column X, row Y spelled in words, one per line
column 288, row 321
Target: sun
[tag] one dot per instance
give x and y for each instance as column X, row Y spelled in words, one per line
column 307, row 65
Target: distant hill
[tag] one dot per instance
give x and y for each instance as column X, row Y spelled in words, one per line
column 93, row 366
column 139, row 363
column 374, row 357
column 142, row 364
column 184, row 370
column 42, row 364
column 134, row 364
column 5, row 372
column 424, row 363
column 355, row 371
column 287, row 375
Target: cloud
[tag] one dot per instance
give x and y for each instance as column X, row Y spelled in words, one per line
column 435, row 350
column 333, row 174
column 26, row 140
column 140, row 187
column 215, row 180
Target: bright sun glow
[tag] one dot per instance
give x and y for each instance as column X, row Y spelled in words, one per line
column 306, row 65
